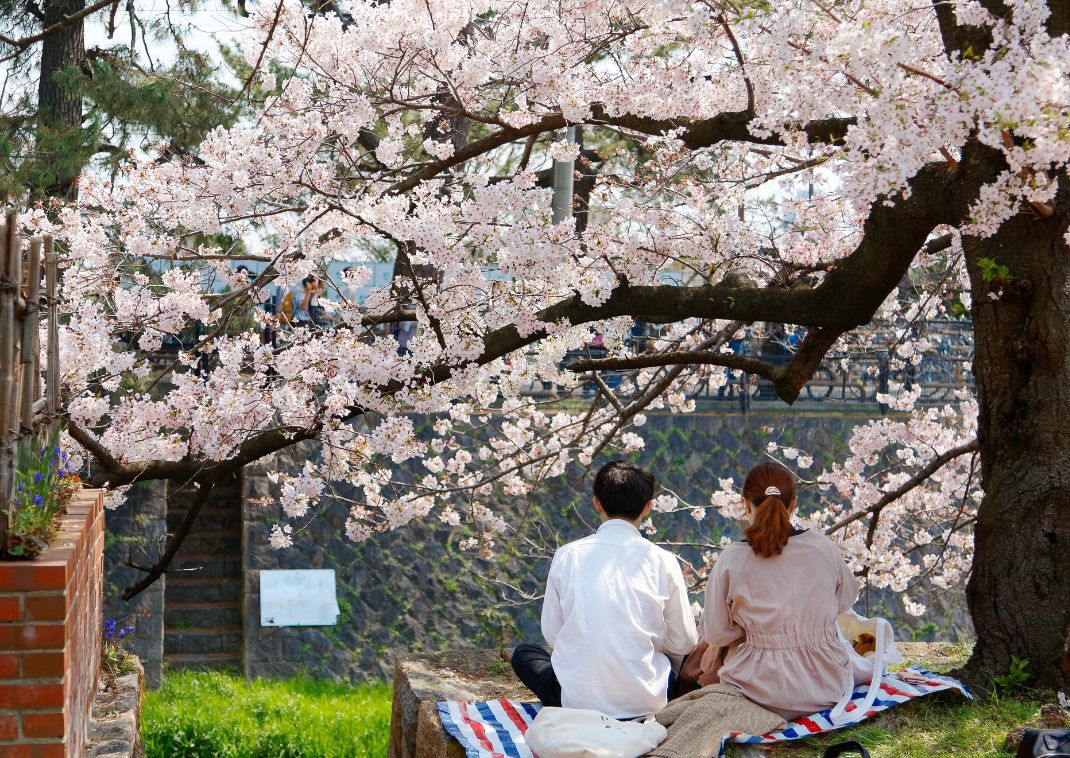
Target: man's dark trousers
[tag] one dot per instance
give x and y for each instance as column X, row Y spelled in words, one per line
column 532, row 666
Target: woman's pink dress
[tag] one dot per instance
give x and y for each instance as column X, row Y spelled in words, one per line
column 782, row 612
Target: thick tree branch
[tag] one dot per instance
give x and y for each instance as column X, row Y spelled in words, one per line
column 115, row 473
column 733, row 126
column 677, row 358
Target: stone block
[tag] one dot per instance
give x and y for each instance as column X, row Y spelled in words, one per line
column 420, row 681
column 201, row 641
column 115, row 727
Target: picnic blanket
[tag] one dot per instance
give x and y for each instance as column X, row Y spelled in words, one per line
column 495, row 729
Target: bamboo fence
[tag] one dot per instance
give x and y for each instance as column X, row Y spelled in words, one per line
column 28, row 401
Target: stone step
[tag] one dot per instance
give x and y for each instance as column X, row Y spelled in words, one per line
column 192, row 589
column 224, row 639
column 204, row 567
column 203, row 661
column 229, row 523
column 191, row 616
column 212, row 544
column 220, row 499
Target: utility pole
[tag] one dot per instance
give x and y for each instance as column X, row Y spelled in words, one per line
column 563, row 178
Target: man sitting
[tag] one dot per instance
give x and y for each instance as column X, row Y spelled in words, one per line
column 616, row 606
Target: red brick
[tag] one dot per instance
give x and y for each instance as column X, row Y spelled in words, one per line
column 9, row 666
column 31, row 696
column 9, row 728
column 42, row 665
column 33, row 637
column 33, row 576
column 9, row 608
column 46, row 608
column 15, row 751
column 47, row 750
column 43, row 724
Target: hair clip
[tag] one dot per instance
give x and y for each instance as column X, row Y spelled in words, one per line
column 772, row 491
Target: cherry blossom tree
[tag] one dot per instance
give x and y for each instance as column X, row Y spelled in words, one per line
column 846, row 168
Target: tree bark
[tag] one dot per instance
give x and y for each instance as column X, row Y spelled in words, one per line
column 1019, row 590
column 59, row 108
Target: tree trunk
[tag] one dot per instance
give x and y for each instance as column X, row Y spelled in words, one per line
column 60, row 108
column 1019, row 589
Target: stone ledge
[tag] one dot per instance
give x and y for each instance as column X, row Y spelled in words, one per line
column 115, row 729
column 420, row 681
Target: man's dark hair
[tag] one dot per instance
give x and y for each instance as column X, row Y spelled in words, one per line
column 624, row 489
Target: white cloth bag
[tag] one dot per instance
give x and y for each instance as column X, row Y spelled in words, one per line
column 864, row 668
column 579, row 733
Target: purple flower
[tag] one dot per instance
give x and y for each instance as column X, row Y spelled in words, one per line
column 125, row 631
column 109, row 628
column 38, row 500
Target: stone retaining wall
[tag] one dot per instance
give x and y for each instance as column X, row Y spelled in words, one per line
column 115, row 729
column 413, row 589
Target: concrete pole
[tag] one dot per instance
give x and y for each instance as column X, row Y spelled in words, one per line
column 563, row 173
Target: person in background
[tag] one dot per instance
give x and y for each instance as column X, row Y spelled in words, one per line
column 615, row 608
column 350, row 293
column 309, row 312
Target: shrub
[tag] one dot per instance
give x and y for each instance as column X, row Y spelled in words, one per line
column 218, row 715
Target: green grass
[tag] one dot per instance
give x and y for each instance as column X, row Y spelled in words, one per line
column 210, row 715
column 217, row 715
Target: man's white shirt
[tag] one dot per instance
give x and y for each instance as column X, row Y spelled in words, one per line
column 615, row 607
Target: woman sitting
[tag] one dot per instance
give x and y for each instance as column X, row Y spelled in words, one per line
column 771, row 607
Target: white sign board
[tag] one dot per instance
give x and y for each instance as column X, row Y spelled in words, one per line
column 303, row 597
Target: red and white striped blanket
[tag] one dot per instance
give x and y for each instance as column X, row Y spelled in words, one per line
column 495, row 729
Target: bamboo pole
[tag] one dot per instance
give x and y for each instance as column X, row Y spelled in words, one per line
column 14, row 269
column 30, row 334
column 7, row 361
column 52, row 359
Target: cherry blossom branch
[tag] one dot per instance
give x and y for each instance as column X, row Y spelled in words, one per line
column 263, row 49
column 157, row 569
column 919, row 478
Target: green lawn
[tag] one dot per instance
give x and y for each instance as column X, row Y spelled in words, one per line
column 217, row 715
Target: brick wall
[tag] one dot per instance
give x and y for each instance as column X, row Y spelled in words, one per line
column 50, row 620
